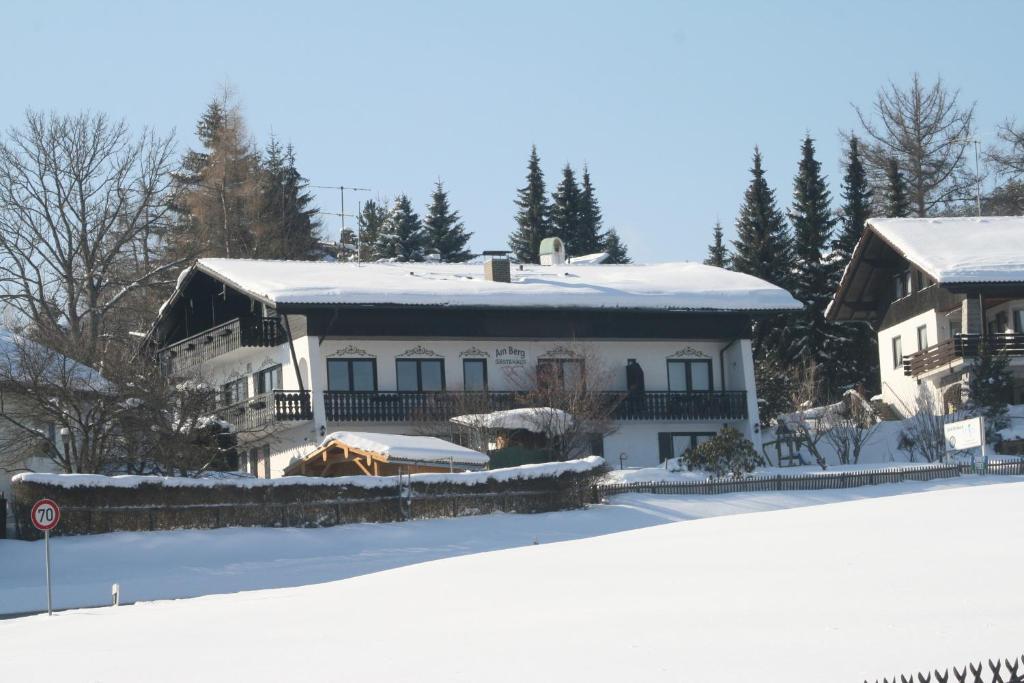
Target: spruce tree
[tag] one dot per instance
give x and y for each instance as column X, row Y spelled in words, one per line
column 856, row 209
column 763, row 247
column 897, row 205
column 990, row 389
column 815, row 275
column 289, row 228
column 445, row 234
column 613, row 245
column 403, row 238
column 718, row 254
column 532, row 215
column 589, row 239
column 373, row 216
column 566, row 213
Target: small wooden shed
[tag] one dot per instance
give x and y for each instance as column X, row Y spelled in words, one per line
column 348, row 453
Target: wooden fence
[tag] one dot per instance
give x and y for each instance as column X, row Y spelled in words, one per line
column 994, row 673
column 810, row 482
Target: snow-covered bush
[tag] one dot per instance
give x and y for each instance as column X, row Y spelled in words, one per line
column 728, row 452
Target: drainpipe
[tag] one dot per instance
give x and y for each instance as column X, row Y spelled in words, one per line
column 721, row 362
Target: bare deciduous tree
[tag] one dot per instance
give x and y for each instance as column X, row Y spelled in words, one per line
column 849, row 424
column 928, row 132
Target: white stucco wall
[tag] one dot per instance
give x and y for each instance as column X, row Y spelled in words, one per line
column 899, row 390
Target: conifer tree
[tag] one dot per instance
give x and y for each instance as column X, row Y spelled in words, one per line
column 589, row 239
column 566, row 212
column 763, row 247
column 402, row 238
column 289, row 228
column 856, row 210
column 991, row 388
column 815, row 275
column 896, row 203
column 445, row 234
column 532, row 215
column 371, row 219
column 613, row 245
column 718, row 254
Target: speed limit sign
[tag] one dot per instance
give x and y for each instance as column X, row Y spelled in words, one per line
column 45, row 514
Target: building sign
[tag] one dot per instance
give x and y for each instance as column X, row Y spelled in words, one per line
column 964, row 434
column 510, row 357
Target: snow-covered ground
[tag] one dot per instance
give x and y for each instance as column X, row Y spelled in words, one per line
column 847, row 591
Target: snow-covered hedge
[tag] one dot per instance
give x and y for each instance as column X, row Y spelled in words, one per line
column 97, row 504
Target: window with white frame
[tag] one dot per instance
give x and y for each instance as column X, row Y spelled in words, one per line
column 897, row 352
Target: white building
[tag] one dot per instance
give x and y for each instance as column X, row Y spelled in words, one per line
column 935, row 289
column 301, row 349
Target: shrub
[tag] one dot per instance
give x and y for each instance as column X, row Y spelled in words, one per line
column 728, row 452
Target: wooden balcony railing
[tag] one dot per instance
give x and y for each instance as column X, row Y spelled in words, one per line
column 261, row 411
column 436, row 406
column 218, row 340
column 959, row 347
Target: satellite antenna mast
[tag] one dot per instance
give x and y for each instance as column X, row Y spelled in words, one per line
column 341, row 191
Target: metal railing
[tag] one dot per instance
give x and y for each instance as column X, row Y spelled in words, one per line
column 961, row 346
column 218, row 340
column 432, row 406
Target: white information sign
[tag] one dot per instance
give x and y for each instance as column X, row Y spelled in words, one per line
column 965, row 434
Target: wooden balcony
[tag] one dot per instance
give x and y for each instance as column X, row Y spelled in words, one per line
column 958, row 348
column 261, row 412
column 439, row 406
column 199, row 348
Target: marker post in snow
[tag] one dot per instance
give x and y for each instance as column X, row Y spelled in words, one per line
column 45, row 516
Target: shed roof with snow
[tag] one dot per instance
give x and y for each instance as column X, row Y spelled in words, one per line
column 371, row 453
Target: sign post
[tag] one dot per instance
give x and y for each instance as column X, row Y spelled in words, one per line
column 45, row 515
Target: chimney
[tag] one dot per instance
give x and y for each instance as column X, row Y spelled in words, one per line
column 497, row 267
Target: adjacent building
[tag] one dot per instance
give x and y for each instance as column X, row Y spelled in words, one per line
column 299, row 350
column 936, row 289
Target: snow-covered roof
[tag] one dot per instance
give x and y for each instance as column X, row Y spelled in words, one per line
column 957, row 250
column 24, row 358
column 540, row 420
column 402, row 448
column 665, row 286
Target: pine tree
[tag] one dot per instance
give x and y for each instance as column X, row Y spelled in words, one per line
column 815, row 275
column 403, row 238
column 718, row 254
column 763, row 247
column 373, row 216
column 566, row 212
column 533, row 214
column 856, row 209
column 348, row 245
column 991, row 388
column 896, row 203
column 613, row 245
column 289, row 228
column 589, row 239
column 445, row 234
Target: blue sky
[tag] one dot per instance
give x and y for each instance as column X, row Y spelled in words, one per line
column 664, row 100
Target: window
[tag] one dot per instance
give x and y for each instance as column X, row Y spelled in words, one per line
column 235, row 391
column 565, row 373
column 954, row 328
column 922, row 337
column 1002, row 322
column 416, row 374
column 689, row 375
column 351, row 374
column 268, row 380
column 253, row 464
column 1018, row 321
column 897, row 352
column 674, row 444
column 474, row 374
column 904, row 284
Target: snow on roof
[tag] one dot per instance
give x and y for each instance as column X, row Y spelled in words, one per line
column 663, row 286
column 987, row 249
column 408, row 448
column 24, row 358
column 540, row 420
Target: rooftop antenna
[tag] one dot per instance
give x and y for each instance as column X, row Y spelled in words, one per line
column 341, row 191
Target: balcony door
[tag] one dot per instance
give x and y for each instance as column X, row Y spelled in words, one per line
column 268, row 380
column 561, row 373
column 351, row 374
column 419, row 374
column 690, row 375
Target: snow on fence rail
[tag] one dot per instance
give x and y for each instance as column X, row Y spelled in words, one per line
column 970, row 674
column 810, row 482
column 92, row 504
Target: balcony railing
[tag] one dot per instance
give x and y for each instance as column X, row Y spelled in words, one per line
column 437, row 406
column 218, row 340
column 959, row 347
column 263, row 410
